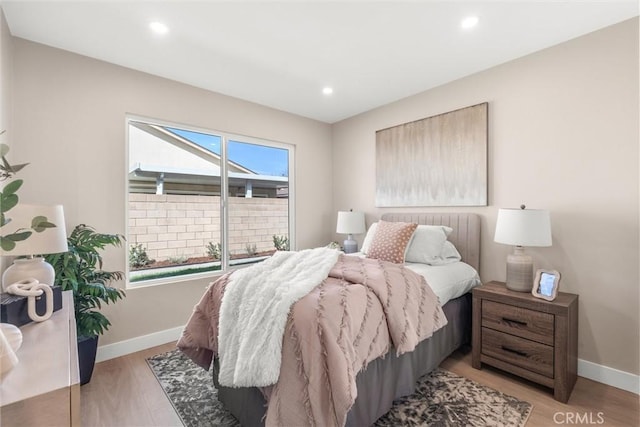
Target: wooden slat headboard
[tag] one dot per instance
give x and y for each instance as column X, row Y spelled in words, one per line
column 465, row 235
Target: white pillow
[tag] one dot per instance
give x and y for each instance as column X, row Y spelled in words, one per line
column 448, row 255
column 366, row 244
column 427, row 243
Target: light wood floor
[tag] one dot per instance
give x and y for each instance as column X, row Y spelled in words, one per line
column 124, row 392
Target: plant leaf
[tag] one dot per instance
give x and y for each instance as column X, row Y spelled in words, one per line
column 18, row 168
column 18, row 237
column 5, row 165
column 40, row 223
column 6, row 244
column 8, row 202
column 12, row 187
column 4, row 149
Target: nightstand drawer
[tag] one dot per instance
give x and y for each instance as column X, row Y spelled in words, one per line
column 533, row 325
column 527, row 354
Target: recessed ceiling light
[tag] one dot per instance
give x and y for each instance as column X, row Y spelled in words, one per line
column 327, row 90
column 158, row 27
column 469, row 22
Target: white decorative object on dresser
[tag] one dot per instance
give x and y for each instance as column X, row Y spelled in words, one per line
column 10, row 342
column 44, row 387
column 50, row 237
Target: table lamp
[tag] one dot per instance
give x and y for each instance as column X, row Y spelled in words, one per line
column 350, row 223
column 522, row 227
column 48, row 241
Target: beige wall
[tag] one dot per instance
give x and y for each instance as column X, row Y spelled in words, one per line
column 6, row 76
column 563, row 135
column 69, row 122
column 6, row 91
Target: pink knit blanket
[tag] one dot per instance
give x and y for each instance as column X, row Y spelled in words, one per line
column 362, row 310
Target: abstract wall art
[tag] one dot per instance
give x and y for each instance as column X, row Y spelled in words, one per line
column 436, row 161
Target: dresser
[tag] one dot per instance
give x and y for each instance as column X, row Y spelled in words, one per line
column 44, row 388
column 527, row 336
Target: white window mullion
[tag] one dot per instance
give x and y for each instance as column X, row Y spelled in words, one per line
column 224, row 204
column 291, row 199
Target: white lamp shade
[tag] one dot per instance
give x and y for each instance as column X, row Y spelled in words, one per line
column 49, row 241
column 350, row 223
column 523, row 227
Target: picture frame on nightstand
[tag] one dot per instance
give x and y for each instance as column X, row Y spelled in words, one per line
column 546, row 284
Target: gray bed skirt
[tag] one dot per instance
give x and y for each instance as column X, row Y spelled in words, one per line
column 381, row 382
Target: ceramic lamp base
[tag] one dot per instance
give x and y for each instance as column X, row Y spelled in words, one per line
column 519, row 271
column 350, row 246
column 28, row 268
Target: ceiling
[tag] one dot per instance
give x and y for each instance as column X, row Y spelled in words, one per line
column 282, row 54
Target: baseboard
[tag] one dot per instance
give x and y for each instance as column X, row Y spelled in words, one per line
column 122, row 348
column 609, row 376
column 593, row 371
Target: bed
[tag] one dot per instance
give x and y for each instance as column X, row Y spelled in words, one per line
column 386, row 378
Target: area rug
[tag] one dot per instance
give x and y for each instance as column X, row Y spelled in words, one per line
column 441, row 399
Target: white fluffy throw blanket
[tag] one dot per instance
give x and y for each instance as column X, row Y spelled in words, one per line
column 254, row 311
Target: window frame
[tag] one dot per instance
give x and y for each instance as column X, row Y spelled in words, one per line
column 224, row 196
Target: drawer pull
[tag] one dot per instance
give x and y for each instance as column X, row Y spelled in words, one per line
column 510, row 350
column 518, row 322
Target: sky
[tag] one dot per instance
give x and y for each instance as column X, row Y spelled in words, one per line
column 260, row 159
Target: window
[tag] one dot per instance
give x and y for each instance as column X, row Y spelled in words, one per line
column 200, row 202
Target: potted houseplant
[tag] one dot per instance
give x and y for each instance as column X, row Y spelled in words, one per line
column 80, row 270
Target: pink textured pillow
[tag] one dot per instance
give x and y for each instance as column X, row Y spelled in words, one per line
column 391, row 240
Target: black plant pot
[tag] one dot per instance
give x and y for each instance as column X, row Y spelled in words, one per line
column 87, row 348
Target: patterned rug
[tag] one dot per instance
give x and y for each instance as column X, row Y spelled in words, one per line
column 441, row 399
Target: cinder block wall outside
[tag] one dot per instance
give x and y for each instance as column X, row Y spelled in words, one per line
column 176, row 226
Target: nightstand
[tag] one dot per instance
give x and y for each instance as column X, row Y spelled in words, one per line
column 527, row 336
